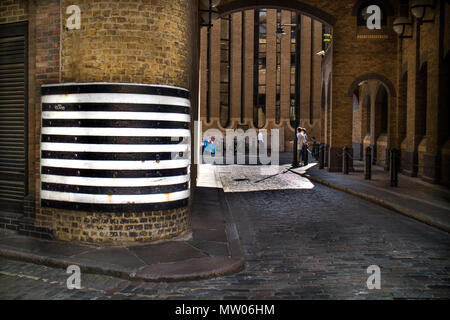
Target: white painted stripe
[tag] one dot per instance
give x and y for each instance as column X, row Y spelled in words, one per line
column 114, row 182
column 112, row 83
column 115, row 98
column 114, row 199
column 80, row 147
column 116, row 115
column 115, row 165
column 119, row 132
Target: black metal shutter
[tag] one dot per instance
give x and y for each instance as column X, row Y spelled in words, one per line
column 13, row 116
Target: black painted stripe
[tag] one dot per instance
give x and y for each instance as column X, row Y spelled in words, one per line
column 113, row 208
column 115, row 190
column 124, row 107
column 94, row 123
column 114, row 88
column 101, row 173
column 120, row 156
column 110, row 140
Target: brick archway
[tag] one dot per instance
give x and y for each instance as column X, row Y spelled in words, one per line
column 372, row 76
column 306, row 9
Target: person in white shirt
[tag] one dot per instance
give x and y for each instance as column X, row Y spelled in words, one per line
column 260, row 137
column 260, row 141
column 303, row 146
column 299, row 142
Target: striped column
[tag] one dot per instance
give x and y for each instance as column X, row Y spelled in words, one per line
column 122, row 149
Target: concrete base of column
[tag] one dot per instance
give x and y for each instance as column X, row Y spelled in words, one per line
column 118, row 228
column 432, row 168
column 409, row 163
column 327, row 152
column 357, row 151
column 335, row 160
column 374, row 153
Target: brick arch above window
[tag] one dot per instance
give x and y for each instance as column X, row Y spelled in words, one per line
column 372, row 76
column 306, row 9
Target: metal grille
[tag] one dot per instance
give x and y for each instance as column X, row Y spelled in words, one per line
column 12, row 117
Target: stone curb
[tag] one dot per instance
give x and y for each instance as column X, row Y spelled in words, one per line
column 228, row 265
column 185, row 270
column 399, row 209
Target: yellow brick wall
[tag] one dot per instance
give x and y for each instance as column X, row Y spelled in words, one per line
column 139, row 41
column 120, row 228
column 13, row 11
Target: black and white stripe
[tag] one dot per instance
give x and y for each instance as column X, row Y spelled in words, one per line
column 114, row 147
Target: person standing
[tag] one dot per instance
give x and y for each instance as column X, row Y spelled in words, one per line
column 303, row 141
column 260, row 139
column 299, row 143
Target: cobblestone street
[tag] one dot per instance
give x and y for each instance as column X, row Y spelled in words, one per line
column 298, row 244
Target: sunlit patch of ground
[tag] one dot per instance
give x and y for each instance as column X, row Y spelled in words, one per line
column 246, row 178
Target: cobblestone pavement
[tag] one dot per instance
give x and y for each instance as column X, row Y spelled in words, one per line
column 299, row 244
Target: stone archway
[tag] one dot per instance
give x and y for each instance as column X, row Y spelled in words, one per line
column 346, row 73
column 372, row 76
column 236, row 30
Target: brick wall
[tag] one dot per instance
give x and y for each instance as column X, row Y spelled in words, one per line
column 47, row 70
column 123, row 228
column 129, row 41
column 13, row 11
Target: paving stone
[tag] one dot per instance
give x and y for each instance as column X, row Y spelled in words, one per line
column 298, row 244
column 115, row 256
column 217, row 235
column 211, row 248
column 166, row 252
column 44, row 247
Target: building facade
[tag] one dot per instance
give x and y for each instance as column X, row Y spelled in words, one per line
column 259, row 69
column 410, row 113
